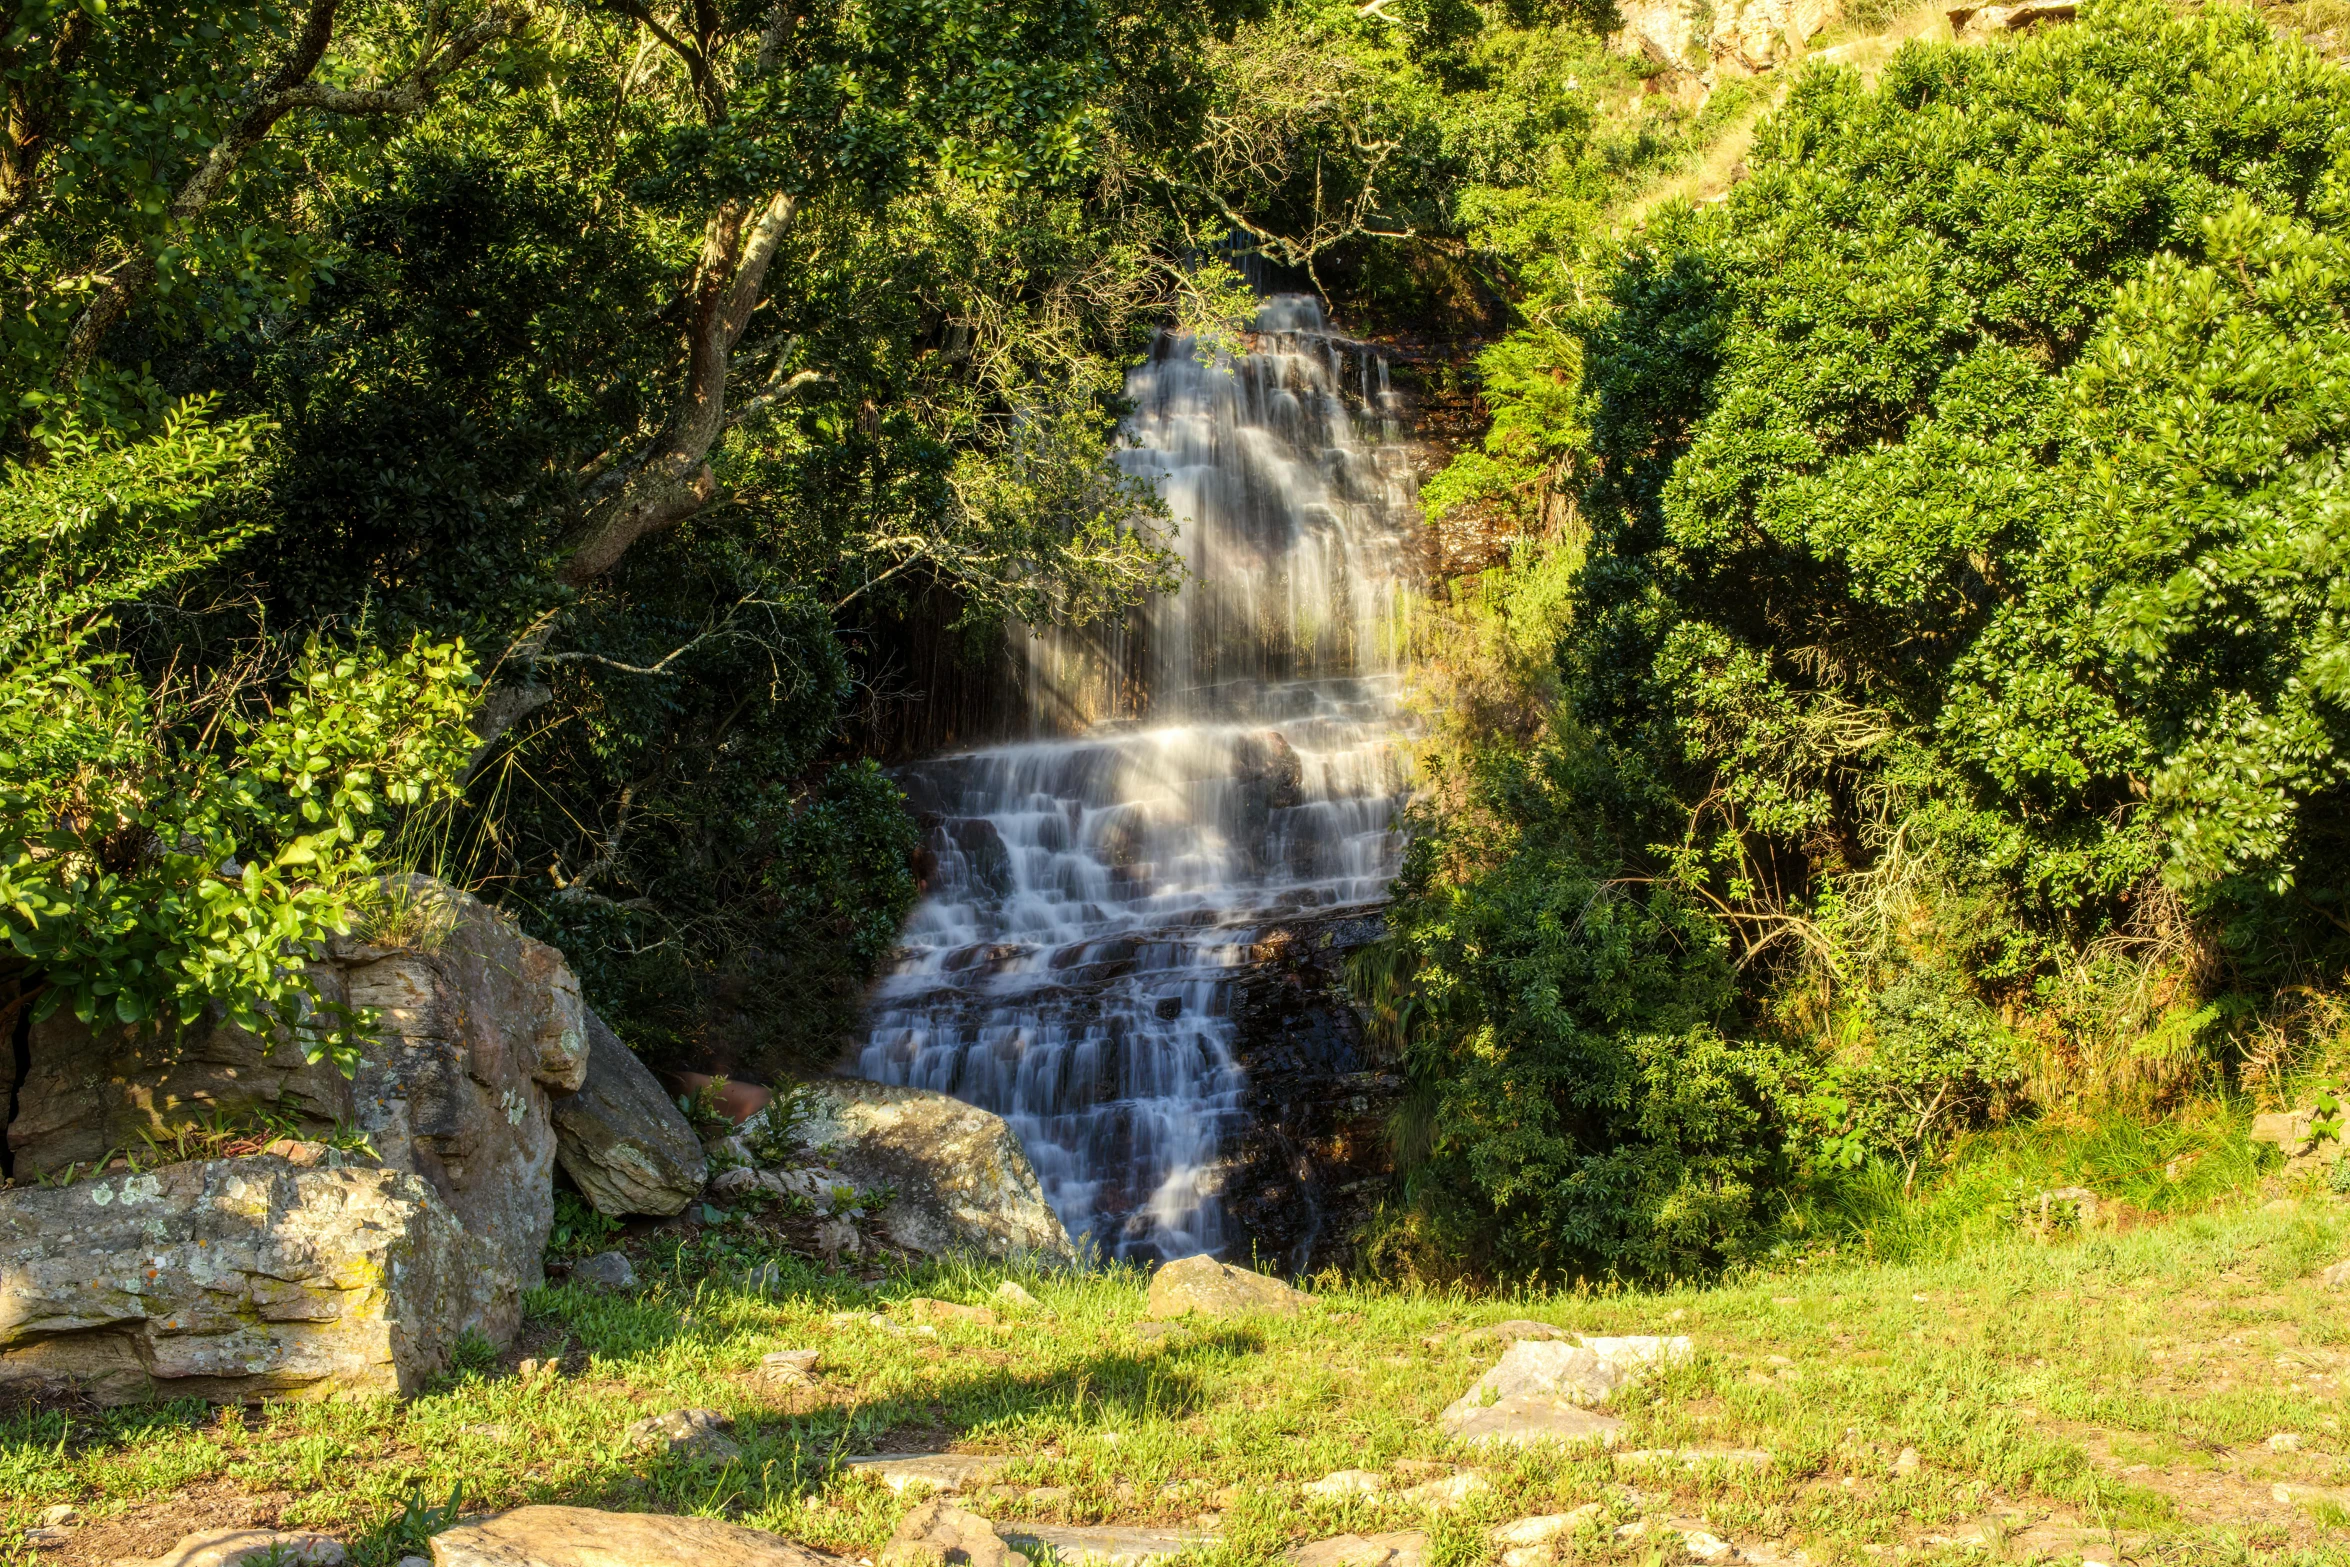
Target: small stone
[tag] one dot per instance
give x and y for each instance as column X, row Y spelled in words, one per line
column 838, row 1238
column 415, row 1561
column 235, row 1547
column 926, row 1309
column 938, row 1533
column 1356, row 1550
column 2285, row 1442
column 1504, row 1334
column 791, row 1367
column 1907, row 1464
column 1047, row 1495
column 1209, row 1288
column 1707, row 1547
column 696, row 1434
column 1446, row 1491
column 1346, row 1482
column 59, row 1516
column 1012, row 1295
column 606, row 1270
column 2336, row 1276
column 944, row 1472
column 297, row 1152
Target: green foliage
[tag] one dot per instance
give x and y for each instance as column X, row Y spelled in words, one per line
column 164, row 849
column 1579, row 1109
column 1956, row 659
column 579, row 1230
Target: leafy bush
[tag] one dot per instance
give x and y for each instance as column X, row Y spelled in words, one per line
column 1961, row 625
column 165, row 848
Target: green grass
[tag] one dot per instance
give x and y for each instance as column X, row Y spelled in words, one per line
column 2060, row 1396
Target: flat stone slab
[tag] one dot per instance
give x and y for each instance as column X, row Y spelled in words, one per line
column 588, row 1537
column 236, row 1547
column 942, row 1472
column 1529, row 1418
column 1103, row 1546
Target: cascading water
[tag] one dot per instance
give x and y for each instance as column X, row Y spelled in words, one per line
column 1241, row 762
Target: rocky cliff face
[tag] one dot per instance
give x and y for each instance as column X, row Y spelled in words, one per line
column 1308, row 1162
column 1716, row 43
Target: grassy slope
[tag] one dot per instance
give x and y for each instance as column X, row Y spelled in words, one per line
column 2061, row 1397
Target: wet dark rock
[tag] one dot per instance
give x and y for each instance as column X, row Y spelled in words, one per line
column 1303, row 1168
column 986, row 861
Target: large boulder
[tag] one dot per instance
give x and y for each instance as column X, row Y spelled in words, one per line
column 231, row 1279
column 622, row 1142
column 89, row 1095
column 960, row 1179
column 478, row 1028
column 1208, row 1288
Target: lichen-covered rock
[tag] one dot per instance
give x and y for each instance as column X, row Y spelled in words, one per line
column 622, row 1142
column 1209, row 1288
column 960, row 1179
column 233, row 1279
column 479, row 1024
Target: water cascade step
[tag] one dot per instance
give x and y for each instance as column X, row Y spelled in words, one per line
column 1239, row 760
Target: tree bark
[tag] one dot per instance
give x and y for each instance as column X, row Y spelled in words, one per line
column 672, row 480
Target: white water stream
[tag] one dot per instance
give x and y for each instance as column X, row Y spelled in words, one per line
column 1244, row 764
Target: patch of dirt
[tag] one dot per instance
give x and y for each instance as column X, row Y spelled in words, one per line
column 151, row 1528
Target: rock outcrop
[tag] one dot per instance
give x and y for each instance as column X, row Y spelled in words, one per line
column 236, row 1278
column 1981, row 23
column 479, row 1029
column 1301, row 1169
column 958, row 1178
column 1733, row 39
column 2306, row 1137
column 622, row 1142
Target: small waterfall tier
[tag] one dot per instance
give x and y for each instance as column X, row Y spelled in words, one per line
column 1237, row 760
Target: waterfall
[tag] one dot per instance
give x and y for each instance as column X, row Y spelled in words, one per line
column 1237, row 761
